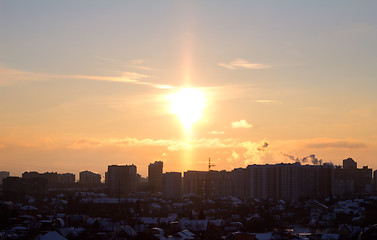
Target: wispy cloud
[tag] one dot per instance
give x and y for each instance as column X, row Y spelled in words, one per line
column 137, row 64
column 137, row 61
column 241, row 124
column 349, row 144
column 321, row 143
column 9, row 76
column 267, row 101
column 248, row 152
column 217, row 132
column 242, row 63
column 171, row 144
column 106, row 59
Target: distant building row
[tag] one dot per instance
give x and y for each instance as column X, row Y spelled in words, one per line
column 34, row 183
column 278, row 181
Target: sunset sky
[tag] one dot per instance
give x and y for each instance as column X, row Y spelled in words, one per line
column 86, row 84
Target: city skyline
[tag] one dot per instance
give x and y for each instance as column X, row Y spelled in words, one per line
column 84, row 85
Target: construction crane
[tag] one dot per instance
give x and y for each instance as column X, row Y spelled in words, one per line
column 210, row 165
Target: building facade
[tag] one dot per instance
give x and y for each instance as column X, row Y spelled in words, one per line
column 155, row 176
column 89, row 179
column 172, row 184
column 121, row 180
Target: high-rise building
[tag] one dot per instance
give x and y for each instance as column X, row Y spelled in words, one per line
column 15, row 188
column 239, row 182
column 221, row 185
column 3, row 174
column 351, row 180
column 172, row 184
column 54, row 179
column 67, row 178
column 349, row 163
column 195, row 182
column 121, row 180
column 89, row 179
column 155, row 176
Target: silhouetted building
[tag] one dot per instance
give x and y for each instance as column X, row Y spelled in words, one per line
column 3, row 174
column 155, row 176
column 349, row 163
column 67, row 178
column 262, row 181
column 194, row 182
column 16, row 188
column 219, row 184
column 121, row 180
column 54, row 179
column 172, row 184
column 240, row 183
column 351, row 180
column 317, row 182
column 289, row 181
column 89, row 179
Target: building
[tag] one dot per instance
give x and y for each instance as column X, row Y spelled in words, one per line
column 54, row 179
column 287, row 181
column 261, row 181
column 220, row 183
column 15, row 188
column 195, row 182
column 121, row 180
column 89, row 179
column 349, row 163
column 172, row 184
column 67, row 178
column 351, row 180
column 3, row 174
column 239, row 182
column 155, row 176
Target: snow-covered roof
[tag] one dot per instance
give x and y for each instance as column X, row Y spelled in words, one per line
column 52, row 236
column 263, row 236
column 149, row 220
column 193, row 225
column 330, row 236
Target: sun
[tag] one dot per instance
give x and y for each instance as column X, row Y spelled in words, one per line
column 188, row 105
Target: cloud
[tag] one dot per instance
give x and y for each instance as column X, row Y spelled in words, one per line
column 170, row 144
column 241, row 124
column 291, row 157
column 246, row 152
column 106, row 59
column 137, row 61
column 263, row 147
column 9, row 76
column 329, row 143
column 126, row 77
column 217, row 132
column 241, row 63
column 137, row 64
column 306, row 160
column 267, row 101
column 233, row 158
column 313, row 159
column 254, row 153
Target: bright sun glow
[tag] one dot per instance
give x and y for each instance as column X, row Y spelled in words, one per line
column 188, row 104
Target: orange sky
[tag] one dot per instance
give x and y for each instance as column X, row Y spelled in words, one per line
column 85, row 85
